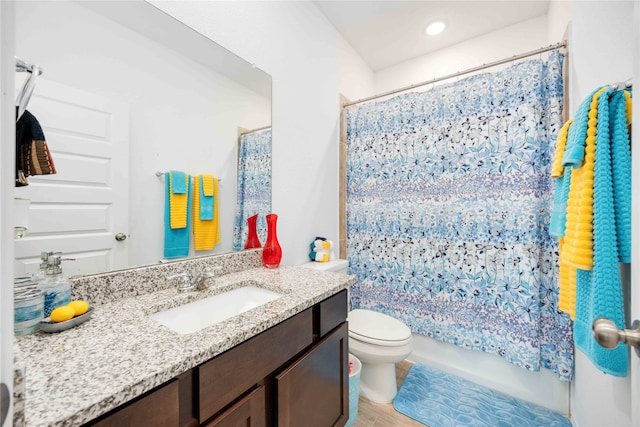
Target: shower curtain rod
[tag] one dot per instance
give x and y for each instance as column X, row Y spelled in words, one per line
column 255, row 130
column 459, row 73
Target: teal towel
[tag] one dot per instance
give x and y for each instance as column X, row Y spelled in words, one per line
column 206, row 202
column 179, row 182
column 573, row 157
column 599, row 292
column 621, row 160
column 574, row 150
column 560, row 198
column 176, row 240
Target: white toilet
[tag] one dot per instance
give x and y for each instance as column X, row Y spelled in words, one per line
column 378, row 340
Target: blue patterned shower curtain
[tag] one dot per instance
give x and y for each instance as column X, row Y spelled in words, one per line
column 254, row 185
column 448, row 205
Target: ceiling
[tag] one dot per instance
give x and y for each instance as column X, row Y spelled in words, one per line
column 385, row 33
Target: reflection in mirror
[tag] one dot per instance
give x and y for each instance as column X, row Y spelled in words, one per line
column 127, row 91
column 254, row 185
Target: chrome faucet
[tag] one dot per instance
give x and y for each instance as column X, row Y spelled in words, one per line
column 201, row 283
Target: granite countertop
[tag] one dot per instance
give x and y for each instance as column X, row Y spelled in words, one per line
column 79, row 374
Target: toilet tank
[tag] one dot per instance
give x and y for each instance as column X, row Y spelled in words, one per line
column 338, row 266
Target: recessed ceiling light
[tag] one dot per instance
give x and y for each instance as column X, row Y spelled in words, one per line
column 435, row 28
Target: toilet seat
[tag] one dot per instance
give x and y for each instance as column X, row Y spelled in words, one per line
column 377, row 328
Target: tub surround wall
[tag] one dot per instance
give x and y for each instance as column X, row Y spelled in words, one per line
column 76, row 375
column 541, row 388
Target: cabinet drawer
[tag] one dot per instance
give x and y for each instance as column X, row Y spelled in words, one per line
column 227, row 376
column 331, row 313
column 158, row 408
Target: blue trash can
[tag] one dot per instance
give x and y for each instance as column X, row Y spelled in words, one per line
column 354, row 388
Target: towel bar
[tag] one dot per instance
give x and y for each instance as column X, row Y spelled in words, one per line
column 160, row 175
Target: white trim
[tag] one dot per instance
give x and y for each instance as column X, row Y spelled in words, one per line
column 7, row 185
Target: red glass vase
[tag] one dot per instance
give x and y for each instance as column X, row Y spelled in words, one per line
column 252, row 235
column 272, row 252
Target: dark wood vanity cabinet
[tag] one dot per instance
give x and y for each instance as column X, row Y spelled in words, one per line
column 313, row 390
column 293, row 374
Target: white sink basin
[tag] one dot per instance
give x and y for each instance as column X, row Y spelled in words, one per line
column 199, row 314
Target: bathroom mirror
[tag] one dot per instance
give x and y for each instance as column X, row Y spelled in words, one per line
column 180, row 99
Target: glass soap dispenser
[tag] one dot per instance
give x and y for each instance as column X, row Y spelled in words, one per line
column 56, row 288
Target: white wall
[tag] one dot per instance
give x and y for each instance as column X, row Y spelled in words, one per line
column 184, row 116
column 356, row 79
column 601, row 53
column 558, row 15
column 509, row 41
column 294, row 43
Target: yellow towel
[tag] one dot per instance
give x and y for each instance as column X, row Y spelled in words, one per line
column 577, row 249
column 567, row 292
column 557, row 170
column 178, row 204
column 628, row 103
column 207, row 187
column 206, row 233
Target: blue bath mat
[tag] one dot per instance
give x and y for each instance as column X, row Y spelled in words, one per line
column 437, row 399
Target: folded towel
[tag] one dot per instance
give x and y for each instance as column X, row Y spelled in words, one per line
column 567, row 288
column 574, row 150
column 176, row 240
column 321, row 245
column 207, row 185
column 206, row 197
column 179, row 184
column 563, row 179
column 599, row 292
column 178, row 198
column 621, row 159
column 557, row 170
column 32, row 154
column 206, row 233
column 322, row 256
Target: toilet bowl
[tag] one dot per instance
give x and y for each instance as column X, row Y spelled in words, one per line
column 379, row 341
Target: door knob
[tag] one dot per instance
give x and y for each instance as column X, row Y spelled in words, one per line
column 120, row 237
column 5, row 399
column 608, row 335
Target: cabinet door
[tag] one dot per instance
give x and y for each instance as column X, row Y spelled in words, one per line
column 247, row 412
column 314, row 390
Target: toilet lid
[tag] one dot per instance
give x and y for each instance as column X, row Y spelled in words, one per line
column 377, row 326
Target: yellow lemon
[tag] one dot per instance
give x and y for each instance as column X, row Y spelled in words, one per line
column 62, row 313
column 79, row 306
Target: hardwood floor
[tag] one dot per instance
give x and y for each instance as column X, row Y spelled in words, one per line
column 371, row 414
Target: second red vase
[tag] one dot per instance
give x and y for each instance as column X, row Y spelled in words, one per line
column 272, row 252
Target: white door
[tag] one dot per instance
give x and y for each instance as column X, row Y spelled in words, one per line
column 79, row 210
column 635, row 265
